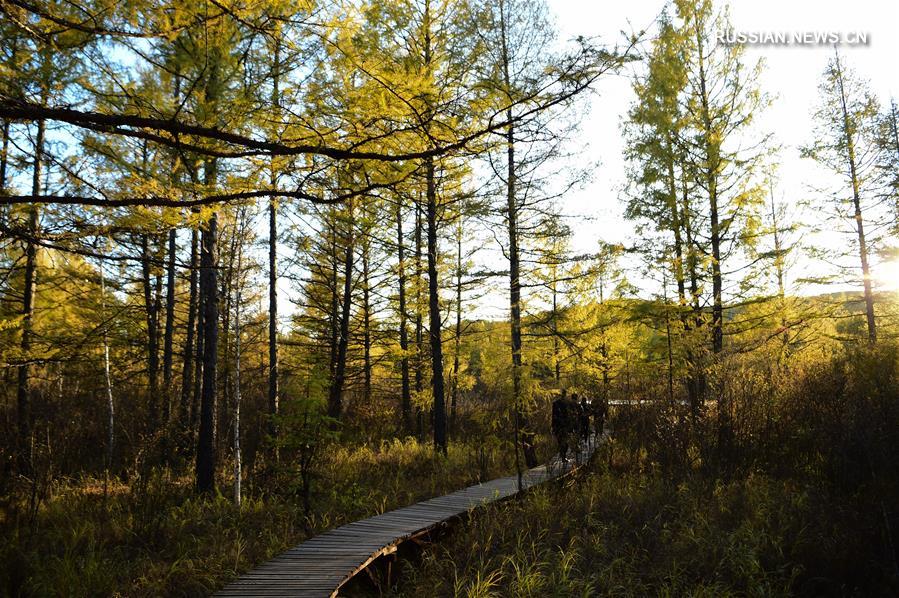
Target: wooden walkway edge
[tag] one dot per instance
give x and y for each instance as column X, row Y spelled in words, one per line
column 321, row 565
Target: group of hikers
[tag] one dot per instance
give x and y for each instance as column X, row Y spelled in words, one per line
column 571, row 420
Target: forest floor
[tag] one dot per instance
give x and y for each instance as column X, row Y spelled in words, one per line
column 619, row 529
column 153, row 536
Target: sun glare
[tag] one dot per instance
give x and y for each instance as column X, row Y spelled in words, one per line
column 886, row 275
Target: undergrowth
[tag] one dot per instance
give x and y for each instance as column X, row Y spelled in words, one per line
column 155, row 537
column 640, row 534
column 799, row 497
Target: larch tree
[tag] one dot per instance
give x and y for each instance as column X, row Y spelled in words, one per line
column 520, row 62
column 724, row 152
column 431, row 50
column 845, row 143
column 46, row 76
column 656, row 132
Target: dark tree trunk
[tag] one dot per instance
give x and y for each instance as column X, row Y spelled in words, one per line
column 335, row 394
column 406, row 397
column 366, row 321
column 168, row 341
column 779, row 269
column 717, row 305
column 856, row 204
column 676, row 229
column 4, row 155
column 434, row 319
column 678, row 217
column 205, row 471
column 4, row 150
column 712, row 160
column 419, row 324
column 525, row 437
column 272, row 319
column 434, row 313
column 151, row 316
column 273, row 394
column 692, row 265
column 169, row 333
column 696, row 381
column 198, row 354
column 604, row 347
column 187, row 370
column 23, row 390
column 227, row 372
column 557, row 365
column 334, row 320
column 458, row 337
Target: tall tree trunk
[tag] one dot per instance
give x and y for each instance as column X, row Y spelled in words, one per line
column 199, row 353
column 434, row 332
column 668, row 340
column 678, row 217
column 207, row 294
column 779, row 269
column 434, row 319
column 335, row 395
column 856, row 203
column 603, row 345
column 696, row 382
column 4, row 155
column 524, row 435
column 692, row 265
column 778, row 263
column 238, row 286
column 717, row 303
column 273, row 398
column 168, row 340
column 419, row 324
column 710, row 169
column 169, row 333
column 712, row 161
column 676, row 229
column 205, row 464
column 366, row 319
column 107, row 378
column 4, row 161
column 4, row 149
column 23, row 390
column 227, row 373
column 457, row 341
column 406, row 398
column 151, row 320
column 187, row 370
column 334, row 320
column 557, row 361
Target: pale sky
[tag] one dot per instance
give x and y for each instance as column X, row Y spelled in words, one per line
column 792, row 75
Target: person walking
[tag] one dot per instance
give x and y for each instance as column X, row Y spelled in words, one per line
column 574, row 424
column 584, row 420
column 560, row 424
column 600, row 408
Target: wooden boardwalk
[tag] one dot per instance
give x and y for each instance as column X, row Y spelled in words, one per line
column 321, row 565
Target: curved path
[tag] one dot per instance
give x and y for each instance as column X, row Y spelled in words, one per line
column 321, row 565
